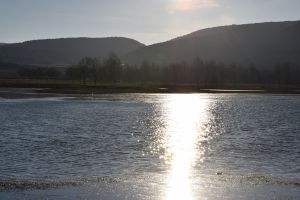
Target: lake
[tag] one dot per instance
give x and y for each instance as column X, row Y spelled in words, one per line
column 150, row 146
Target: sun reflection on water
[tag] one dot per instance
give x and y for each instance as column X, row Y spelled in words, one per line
column 185, row 114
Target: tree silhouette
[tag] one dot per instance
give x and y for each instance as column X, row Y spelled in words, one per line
column 113, row 68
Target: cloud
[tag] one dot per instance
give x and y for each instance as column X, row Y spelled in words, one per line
column 187, row 5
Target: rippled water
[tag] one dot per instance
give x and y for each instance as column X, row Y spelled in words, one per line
column 160, row 146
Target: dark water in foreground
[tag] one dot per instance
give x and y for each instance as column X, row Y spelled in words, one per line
column 143, row 146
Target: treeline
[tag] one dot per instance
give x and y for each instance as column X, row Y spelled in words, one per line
column 203, row 74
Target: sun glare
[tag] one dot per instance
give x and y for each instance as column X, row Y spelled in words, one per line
column 185, row 115
column 182, row 5
column 186, row 5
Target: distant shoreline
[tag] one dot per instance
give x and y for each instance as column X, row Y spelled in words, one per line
column 52, row 88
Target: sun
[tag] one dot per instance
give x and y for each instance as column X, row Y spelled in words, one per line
column 182, row 5
column 188, row 5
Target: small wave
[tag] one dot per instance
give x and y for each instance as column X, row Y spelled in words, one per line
column 34, row 184
column 261, row 179
column 8, row 185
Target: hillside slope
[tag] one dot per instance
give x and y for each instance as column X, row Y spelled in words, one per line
column 65, row 50
column 261, row 43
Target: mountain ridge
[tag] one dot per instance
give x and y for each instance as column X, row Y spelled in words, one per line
column 65, row 51
column 260, row 43
column 263, row 44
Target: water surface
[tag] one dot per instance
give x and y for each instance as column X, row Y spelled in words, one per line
column 151, row 146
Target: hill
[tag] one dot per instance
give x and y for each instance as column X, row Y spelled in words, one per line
column 261, row 43
column 65, row 51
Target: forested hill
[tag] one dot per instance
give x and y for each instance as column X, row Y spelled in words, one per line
column 262, row 44
column 65, row 51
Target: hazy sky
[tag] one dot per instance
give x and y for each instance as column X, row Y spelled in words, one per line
column 148, row 21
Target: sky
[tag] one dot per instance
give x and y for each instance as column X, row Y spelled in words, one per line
column 148, row 21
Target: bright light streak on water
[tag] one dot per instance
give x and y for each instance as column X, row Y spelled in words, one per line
column 185, row 113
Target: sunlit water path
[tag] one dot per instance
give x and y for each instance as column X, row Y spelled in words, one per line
column 184, row 114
